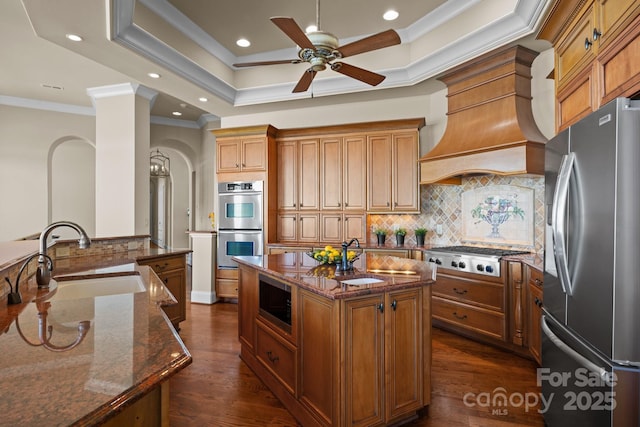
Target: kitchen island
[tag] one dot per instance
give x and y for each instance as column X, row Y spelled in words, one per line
column 337, row 349
column 72, row 358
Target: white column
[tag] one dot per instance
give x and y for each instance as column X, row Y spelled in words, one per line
column 203, row 267
column 122, row 158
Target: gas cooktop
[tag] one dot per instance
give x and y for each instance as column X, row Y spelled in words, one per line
column 478, row 250
column 470, row 259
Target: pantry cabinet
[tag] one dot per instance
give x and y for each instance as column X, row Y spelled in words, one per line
column 596, row 46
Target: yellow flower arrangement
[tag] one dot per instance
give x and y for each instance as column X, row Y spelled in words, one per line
column 212, row 218
column 330, row 255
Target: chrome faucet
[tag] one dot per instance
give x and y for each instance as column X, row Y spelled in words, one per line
column 345, row 265
column 43, row 274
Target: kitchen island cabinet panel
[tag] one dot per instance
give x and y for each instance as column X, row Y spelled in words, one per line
column 356, row 355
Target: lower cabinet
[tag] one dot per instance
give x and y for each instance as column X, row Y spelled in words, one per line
column 362, row 361
column 383, row 376
column 227, row 283
column 535, row 313
column 172, row 270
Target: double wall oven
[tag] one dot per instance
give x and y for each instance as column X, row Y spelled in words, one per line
column 240, row 221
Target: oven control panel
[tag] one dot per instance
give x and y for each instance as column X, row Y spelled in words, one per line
column 487, row 266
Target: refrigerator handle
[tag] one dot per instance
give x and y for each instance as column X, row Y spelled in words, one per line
column 558, row 215
column 580, row 359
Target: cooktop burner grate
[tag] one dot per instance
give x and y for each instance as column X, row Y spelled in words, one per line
column 479, row 250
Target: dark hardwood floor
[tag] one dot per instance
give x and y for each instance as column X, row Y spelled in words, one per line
column 218, row 389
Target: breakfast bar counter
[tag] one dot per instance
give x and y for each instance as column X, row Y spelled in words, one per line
column 94, row 348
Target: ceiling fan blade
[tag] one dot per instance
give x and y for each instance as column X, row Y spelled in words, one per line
column 255, row 64
column 358, row 73
column 293, row 30
column 376, row 41
column 305, row 81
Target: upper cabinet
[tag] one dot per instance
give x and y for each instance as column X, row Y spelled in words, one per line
column 392, row 170
column 243, row 149
column 596, row 47
column 343, row 172
column 298, row 171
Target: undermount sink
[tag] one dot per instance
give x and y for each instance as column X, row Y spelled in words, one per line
column 361, row 281
column 99, row 286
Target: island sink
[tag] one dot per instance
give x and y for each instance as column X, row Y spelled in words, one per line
column 361, row 281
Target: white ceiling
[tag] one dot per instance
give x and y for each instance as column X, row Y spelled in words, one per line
column 191, row 43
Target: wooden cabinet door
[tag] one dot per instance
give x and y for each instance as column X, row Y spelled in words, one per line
column 308, row 227
column 614, row 17
column 573, row 51
column 287, row 175
column 308, row 174
column 287, row 227
column 379, row 173
column 248, row 295
column 175, row 281
column 364, row 374
column 228, row 153
column 254, row 154
column 404, row 160
column 403, row 337
column 354, row 184
column 331, row 227
column 331, row 172
column 535, row 314
column 354, row 226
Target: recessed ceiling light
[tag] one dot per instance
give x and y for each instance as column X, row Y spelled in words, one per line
column 74, row 37
column 154, row 75
column 243, row 43
column 177, row 113
column 202, row 99
column 311, row 29
column 390, row 15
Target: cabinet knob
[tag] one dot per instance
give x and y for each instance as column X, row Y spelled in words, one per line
column 381, row 307
column 394, row 304
column 244, row 165
column 587, row 43
column 345, row 205
column 237, row 165
column 596, row 34
column 538, row 282
column 272, row 358
column 340, row 204
column 395, row 204
column 387, row 203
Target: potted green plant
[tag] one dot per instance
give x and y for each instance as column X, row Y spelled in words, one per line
column 420, row 233
column 381, row 234
column 400, row 233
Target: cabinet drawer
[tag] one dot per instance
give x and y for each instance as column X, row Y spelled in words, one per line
column 277, row 355
column 486, row 295
column 227, row 273
column 160, row 265
column 227, row 288
column 536, row 276
column 475, row 319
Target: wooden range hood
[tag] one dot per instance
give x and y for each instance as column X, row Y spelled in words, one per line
column 490, row 126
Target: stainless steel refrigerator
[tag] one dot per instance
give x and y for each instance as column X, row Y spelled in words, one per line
column 590, row 373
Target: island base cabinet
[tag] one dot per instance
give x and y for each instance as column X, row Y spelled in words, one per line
column 383, row 368
column 151, row 410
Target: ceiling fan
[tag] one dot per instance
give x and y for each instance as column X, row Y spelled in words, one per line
column 320, row 48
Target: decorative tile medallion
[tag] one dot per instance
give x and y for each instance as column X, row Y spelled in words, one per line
column 501, row 214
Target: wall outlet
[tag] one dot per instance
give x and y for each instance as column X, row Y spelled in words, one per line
column 439, row 229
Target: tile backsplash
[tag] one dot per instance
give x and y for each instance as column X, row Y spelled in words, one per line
column 441, row 205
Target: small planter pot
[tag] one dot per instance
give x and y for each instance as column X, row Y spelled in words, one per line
column 420, row 240
column 381, row 238
column 399, row 240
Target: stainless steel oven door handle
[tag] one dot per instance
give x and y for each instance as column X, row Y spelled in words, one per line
column 558, row 217
column 580, row 359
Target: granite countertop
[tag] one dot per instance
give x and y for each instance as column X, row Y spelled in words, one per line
column 129, row 349
column 532, row 260
column 299, row 269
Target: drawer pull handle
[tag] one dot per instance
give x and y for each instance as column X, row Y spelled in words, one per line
column 538, row 282
column 272, row 359
column 457, row 316
column 459, row 292
column 538, row 302
column 166, row 280
column 162, row 267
